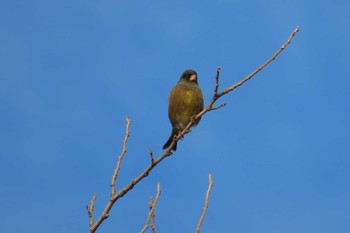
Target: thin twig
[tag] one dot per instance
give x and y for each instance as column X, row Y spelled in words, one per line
column 168, row 152
column 151, row 154
column 217, row 81
column 90, row 209
column 105, row 214
column 231, row 88
column 152, row 206
column 217, row 107
column 120, row 157
column 206, row 204
column 153, row 225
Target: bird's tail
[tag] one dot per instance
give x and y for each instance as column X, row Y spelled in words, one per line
column 174, row 132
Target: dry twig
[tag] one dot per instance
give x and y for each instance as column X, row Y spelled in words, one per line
column 151, row 214
column 206, row 204
column 105, row 214
column 120, row 157
column 90, row 209
column 151, row 154
column 154, row 162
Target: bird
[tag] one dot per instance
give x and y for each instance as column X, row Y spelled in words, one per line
column 185, row 101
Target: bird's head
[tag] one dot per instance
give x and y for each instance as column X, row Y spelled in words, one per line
column 189, row 76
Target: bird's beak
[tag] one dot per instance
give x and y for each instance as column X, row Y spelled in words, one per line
column 193, row 77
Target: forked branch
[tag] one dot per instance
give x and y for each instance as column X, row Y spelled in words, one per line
column 151, row 214
column 155, row 161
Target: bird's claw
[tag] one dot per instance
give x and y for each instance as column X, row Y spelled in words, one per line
column 180, row 135
column 194, row 120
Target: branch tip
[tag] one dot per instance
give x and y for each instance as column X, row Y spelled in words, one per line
column 121, row 155
column 206, row 203
column 217, row 107
column 151, row 154
column 90, row 209
column 151, row 215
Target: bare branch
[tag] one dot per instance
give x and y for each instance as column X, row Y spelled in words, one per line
column 151, row 154
column 153, row 225
column 116, row 170
column 231, row 88
column 217, row 81
column 90, row 209
column 152, row 206
column 105, row 214
column 127, row 188
column 217, row 107
column 115, row 196
column 206, row 204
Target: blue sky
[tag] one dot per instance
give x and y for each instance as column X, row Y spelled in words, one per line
column 278, row 152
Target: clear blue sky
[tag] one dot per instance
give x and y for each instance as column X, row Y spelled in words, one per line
column 279, row 151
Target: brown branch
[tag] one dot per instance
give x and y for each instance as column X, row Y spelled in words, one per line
column 231, row 88
column 168, row 152
column 152, row 206
column 217, row 107
column 120, row 157
column 126, row 189
column 206, row 204
column 90, row 209
column 153, row 225
column 217, row 81
column 105, row 214
column 151, row 154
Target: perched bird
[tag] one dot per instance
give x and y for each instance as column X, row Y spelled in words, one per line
column 185, row 101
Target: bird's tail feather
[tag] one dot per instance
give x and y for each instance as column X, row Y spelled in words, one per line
column 174, row 132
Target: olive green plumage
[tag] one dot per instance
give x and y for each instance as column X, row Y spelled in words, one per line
column 185, row 101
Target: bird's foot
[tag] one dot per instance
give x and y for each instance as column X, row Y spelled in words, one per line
column 180, row 135
column 194, row 120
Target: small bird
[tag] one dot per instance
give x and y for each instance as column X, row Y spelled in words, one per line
column 185, row 101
